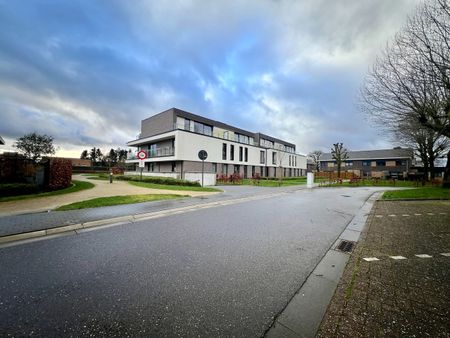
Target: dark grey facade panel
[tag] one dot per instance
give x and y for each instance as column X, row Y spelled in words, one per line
column 380, row 154
column 157, row 124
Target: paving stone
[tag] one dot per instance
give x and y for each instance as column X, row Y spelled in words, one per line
column 404, row 297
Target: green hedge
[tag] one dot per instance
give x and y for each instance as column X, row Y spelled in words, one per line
column 16, row 189
column 153, row 179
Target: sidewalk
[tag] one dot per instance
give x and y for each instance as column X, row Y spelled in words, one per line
column 397, row 281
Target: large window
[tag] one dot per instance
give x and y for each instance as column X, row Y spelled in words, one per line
column 265, row 143
column 381, row 163
column 366, row 163
column 262, row 157
column 240, row 154
column 246, row 154
column 201, row 128
column 231, row 152
column 224, row 151
column 274, row 158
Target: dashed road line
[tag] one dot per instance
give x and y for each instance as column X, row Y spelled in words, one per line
column 397, row 257
column 374, row 259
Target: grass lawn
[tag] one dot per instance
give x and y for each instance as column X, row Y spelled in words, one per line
column 420, row 193
column 172, row 187
column 76, row 186
column 116, row 200
column 371, row 183
column 275, row 183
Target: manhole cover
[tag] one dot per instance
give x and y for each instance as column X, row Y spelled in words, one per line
column 346, row 246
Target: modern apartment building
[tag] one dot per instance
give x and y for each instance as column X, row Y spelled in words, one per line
column 393, row 163
column 173, row 138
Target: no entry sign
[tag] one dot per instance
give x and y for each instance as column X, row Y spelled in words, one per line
column 142, row 154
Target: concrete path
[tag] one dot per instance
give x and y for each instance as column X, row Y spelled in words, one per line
column 101, row 189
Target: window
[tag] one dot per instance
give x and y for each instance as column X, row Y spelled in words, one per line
column 187, row 124
column 289, row 160
column 224, row 151
column 251, row 140
column 174, row 166
column 366, row 163
column 400, row 162
column 274, row 158
column 152, row 167
column 214, row 167
column 225, row 169
column 262, row 157
column 226, row 134
column 236, row 169
column 201, row 128
column 381, row 163
column 240, row 154
column 207, row 130
column 246, row 154
column 349, row 163
column 231, row 152
column 295, row 158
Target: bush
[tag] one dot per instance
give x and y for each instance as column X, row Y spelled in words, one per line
column 154, row 179
column 16, row 189
column 60, row 174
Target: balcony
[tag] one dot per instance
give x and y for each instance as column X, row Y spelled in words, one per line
column 152, row 153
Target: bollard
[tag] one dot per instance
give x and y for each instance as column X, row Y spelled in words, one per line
column 110, row 177
column 309, row 180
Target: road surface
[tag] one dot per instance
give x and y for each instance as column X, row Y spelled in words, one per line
column 222, row 271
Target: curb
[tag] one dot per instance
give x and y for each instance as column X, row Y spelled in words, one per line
column 304, row 312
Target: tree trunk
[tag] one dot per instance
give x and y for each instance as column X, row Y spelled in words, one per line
column 446, row 182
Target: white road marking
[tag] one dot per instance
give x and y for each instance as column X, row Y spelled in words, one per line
column 405, row 215
column 446, row 254
column 430, row 213
column 423, row 256
column 370, row 259
column 397, row 257
column 442, row 213
column 392, row 215
column 379, row 216
column 417, row 214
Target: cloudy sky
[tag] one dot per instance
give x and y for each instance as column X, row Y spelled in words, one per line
column 86, row 72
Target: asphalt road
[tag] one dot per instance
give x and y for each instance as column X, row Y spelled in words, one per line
column 222, row 271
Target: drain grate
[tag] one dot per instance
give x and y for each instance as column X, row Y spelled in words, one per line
column 346, row 246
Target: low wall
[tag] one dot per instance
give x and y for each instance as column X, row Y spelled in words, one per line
column 208, row 178
column 146, row 173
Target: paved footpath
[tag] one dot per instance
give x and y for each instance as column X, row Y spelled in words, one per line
column 102, row 189
column 397, row 281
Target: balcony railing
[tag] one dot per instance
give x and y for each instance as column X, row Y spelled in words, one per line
column 158, row 152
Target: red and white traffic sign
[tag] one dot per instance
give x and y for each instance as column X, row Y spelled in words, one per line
column 142, row 154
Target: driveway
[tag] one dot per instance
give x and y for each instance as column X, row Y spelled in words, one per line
column 101, row 189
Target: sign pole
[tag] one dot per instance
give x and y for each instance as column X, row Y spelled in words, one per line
column 203, row 155
column 203, row 170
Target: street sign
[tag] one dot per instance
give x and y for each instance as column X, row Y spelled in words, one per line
column 203, row 155
column 141, row 164
column 142, row 154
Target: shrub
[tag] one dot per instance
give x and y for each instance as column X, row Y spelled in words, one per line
column 16, row 189
column 155, row 179
column 60, row 174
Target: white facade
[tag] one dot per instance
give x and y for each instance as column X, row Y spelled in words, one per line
column 188, row 144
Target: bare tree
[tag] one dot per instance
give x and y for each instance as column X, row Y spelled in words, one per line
column 315, row 157
column 410, row 82
column 339, row 153
column 427, row 144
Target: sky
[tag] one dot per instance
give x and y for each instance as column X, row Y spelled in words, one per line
column 87, row 72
